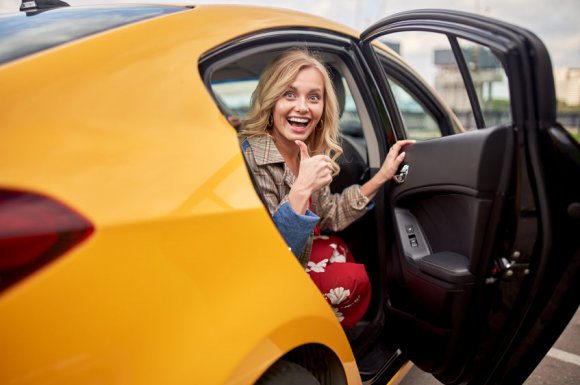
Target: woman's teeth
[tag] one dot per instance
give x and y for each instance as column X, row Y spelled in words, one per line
column 298, row 121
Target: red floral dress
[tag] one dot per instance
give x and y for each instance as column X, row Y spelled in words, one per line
column 343, row 282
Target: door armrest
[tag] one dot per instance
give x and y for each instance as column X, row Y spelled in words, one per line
column 447, row 266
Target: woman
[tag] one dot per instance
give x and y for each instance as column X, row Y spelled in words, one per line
column 290, row 140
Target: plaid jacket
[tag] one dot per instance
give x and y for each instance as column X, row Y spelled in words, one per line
column 330, row 211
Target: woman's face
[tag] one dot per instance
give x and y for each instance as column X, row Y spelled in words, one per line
column 298, row 111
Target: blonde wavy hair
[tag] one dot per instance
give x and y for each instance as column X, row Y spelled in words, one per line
column 274, row 81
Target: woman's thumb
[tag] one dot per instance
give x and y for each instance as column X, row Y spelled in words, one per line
column 303, row 149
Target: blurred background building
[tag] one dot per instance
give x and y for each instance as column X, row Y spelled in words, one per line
column 568, row 85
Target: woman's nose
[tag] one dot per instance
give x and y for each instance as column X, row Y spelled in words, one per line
column 301, row 105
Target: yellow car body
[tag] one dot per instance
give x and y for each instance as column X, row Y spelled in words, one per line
column 185, row 279
column 177, row 273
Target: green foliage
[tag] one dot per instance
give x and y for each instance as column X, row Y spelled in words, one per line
column 563, row 107
column 500, row 104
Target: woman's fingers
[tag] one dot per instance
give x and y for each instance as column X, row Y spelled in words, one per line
column 394, row 158
column 396, row 148
column 316, row 171
column 324, row 167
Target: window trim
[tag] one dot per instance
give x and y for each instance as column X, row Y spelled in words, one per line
column 467, row 81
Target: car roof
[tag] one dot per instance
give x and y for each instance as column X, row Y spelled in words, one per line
column 23, row 34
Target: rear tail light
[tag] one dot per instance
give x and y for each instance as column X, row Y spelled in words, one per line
column 35, row 230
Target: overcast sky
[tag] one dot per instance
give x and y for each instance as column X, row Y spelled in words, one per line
column 555, row 22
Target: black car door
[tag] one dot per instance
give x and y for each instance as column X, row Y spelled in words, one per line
column 481, row 256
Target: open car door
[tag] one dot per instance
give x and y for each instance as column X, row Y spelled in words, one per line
column 482, row 255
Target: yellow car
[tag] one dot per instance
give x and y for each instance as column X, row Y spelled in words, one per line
column 134, row 248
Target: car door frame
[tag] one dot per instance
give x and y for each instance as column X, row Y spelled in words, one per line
column 538, row 144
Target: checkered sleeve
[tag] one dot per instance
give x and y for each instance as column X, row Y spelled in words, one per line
column 337, row 211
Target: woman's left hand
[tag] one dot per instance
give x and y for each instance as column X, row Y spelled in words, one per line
column 394, row 159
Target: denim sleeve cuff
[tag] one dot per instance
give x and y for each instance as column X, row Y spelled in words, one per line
column 295, row 228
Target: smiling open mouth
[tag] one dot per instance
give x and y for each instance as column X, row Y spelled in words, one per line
column 298, row 122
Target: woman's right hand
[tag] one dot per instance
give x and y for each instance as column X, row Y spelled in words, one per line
column 314, row 173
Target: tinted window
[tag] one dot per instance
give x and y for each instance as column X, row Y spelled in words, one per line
column 490, row 82
column 418, row 121
column 234, row 95
column 467, row 76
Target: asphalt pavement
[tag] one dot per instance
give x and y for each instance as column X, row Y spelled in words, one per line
column 561, row 366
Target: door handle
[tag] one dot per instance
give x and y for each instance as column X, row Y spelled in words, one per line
column 402, row 175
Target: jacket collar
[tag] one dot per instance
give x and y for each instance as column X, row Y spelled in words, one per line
column 265, row 152
column 264, row 149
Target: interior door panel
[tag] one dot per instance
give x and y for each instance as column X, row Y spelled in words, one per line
column 466, row 163
column 442, row 212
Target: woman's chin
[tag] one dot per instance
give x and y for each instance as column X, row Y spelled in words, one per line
column 301, row 133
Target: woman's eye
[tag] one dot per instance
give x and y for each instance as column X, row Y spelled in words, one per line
column 314, row 98
column 289, row 94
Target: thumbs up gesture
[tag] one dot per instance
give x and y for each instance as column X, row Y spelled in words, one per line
column 315, row 172
column 304, row 154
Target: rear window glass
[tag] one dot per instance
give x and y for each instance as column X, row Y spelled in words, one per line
column 22, row 34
